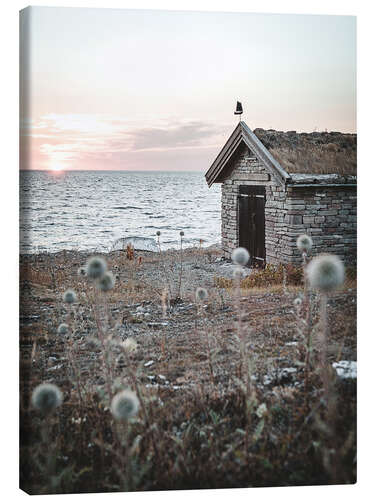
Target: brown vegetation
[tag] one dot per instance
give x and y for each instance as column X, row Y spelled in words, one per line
column 223, row 388
column 316, row 152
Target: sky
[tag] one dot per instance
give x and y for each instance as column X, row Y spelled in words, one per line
column 122, row 89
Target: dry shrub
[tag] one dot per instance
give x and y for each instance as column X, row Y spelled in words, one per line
column 269, row 276
column 44, row 277
column 274, row 275
column 130, row 252
column 221, row 282
column 351, row 276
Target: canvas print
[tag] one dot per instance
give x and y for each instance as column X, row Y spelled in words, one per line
column 187, row 250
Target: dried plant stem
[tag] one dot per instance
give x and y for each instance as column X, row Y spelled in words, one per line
column 285, row 291
column 167, row 283
column 209, row 355
column 308, row 337
column 106, row 364
column 180, row 276
column 71, row 354
column 122, row 438
column 323, row 352
column 239, row 323
column 148, row 420
column 308, row 323
column 244, row 365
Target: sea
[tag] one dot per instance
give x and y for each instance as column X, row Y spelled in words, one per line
column 91, row 210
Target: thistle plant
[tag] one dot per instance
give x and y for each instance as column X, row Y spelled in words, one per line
column 46, row 398
column 96, row 267
column 240, row 256
column 63, row 329
column 130, row 345
column 167, row 281
column 158, row 233
column 304, row 245
column 180, row 276
column 325, row 274
column 70, row 296
column 106, row 282
column 201, row 295
column 124, row 405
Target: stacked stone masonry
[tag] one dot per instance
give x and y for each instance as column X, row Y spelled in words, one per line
column 327, row 213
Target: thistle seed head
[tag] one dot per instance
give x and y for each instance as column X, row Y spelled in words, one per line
column 240, row 256
column 304, row 243
column 124, row 405
column 46, row 397
column 96, row 267
column 297, row 302
column 261, row 410
column 325, row 272
column 182, row 234
column 201, row 294
column 158, row 233
column 106, row 282
column 130, row 345
column 63, row 329
column 69, row 296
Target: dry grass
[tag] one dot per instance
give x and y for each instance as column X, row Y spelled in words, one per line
column 200, row 425
column 318, row 160
column 313, row 153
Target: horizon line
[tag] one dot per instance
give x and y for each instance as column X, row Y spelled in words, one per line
column 98, row 170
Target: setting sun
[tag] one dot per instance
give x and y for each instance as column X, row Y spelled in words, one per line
column 56, row 167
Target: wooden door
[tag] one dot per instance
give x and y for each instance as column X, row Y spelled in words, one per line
column 251, row 203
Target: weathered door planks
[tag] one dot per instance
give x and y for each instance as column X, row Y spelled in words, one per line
column 251, row 203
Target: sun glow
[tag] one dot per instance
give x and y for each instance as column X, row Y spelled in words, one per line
column 56, row 167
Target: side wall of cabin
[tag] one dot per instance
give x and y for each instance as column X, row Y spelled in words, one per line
column 327, row 214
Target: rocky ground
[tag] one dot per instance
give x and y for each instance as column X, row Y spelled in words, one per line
column 183, row 346
column 136, row 310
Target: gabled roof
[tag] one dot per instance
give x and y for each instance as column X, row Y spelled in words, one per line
column 243, row 135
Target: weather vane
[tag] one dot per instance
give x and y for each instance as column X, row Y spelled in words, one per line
column 239, row 110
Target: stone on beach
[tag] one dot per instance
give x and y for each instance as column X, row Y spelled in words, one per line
column 137, row 242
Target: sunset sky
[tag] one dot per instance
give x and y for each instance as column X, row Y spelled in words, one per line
column 156, row 90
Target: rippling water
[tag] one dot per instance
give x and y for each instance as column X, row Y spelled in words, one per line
column 89, row 210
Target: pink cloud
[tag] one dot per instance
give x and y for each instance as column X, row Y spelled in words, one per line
column 76, row 142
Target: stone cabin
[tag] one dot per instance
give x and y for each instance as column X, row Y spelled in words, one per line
column 278, row 185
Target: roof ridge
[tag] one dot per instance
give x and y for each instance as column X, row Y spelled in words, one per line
column 242, row 133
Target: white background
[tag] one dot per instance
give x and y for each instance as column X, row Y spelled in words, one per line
column 9, row 240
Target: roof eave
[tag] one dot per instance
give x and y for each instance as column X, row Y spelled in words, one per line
column 243, row 133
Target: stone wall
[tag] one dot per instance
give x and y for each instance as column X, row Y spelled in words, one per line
column 327, row 214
